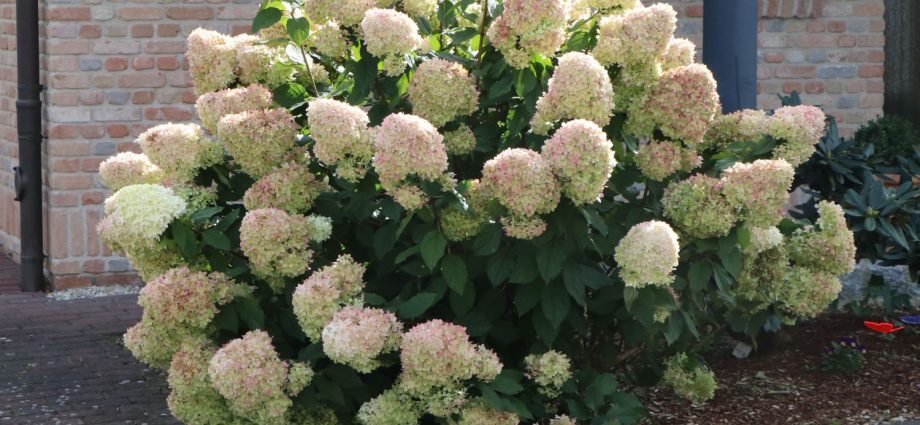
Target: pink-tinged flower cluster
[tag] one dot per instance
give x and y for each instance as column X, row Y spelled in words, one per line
column 211, row 60
column 658, row 160
column 346, row 12
column 138, row 214
column 325, row 292
column 150, row 260
column 612, row 6
column 392, row 407
column 478, row 412
column 408, row 146
column 212, row 107
column 759, row 190
column 523, row 182
column 582, row 159
column 648, row 254
column 807, row 292
column 180, row 150
column 181, row 300
column 437, row 355
column 342, row 137
column 461, row 141
column 681, row 104
column 248, row 373
column 549, row 371
column 410, row 197
column 192, row 399
column 390, row 34
column 420, row 8
column 747, row 125
column 636, row 37
column 696, row 206
column 579, row 89
column 458, row 225
column 357, row 336
column 259, row 139
column 828, row 248
column 277, row 244
column 128, row 168
column 799, row 128
column 529, row 27
column 291, row 188
column 441, row 91
column 524, row 228
column 680, row 52
column 260, row 63
column 152, row 346
column 300, row 374
column 562, row 420
column 329, row 40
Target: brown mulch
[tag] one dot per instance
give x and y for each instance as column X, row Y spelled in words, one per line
column 784, row 385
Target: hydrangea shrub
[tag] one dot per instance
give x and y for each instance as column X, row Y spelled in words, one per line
column 459, row 212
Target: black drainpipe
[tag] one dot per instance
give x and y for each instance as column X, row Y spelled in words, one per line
column 28, row 175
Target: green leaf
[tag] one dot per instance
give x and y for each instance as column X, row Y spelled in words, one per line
column 215, row 238
column 330, row 391
column 365, row 73
column 487, row 242
column 299, row 30
column 700, row 274
column 227, row 319
column 549, row 261
column 603, row 386
column 384, row 240
column 744, row 237
column 290, row 95
column 462, row 303
column 432, row 248
column 675, row 326
column 595, row 220
column 417, row 305
column 732, row 262
column 555, row 304
column 508, row 382
column 630, row 295
column 691, row 324
column 265, row 18
column 205, row 213
column 526, row 297
column 545, row 330
column 403, row 256
column 251, row 313
column 499, row 267
column 186, row 240
column 454, row 271
column 574, row 282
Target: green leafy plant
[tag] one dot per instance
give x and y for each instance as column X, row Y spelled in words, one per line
column 459, row 212
column 892, row 137
column 844, row 355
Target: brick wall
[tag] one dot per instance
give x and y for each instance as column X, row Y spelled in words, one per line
column 115, row 68
column 112, row 70
column 830, row 51
column 9, row 215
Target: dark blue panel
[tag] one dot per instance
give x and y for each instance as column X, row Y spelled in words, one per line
column 730, row 50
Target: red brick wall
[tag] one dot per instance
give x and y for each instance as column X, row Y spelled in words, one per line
column 112, row 69
column 830, row 51
column 115, row 68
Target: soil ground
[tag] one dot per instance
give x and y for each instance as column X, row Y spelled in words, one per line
column 784, row 385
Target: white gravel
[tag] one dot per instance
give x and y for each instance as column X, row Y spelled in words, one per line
column 94, row 292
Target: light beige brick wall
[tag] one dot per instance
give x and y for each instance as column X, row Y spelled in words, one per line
column 116, row 67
